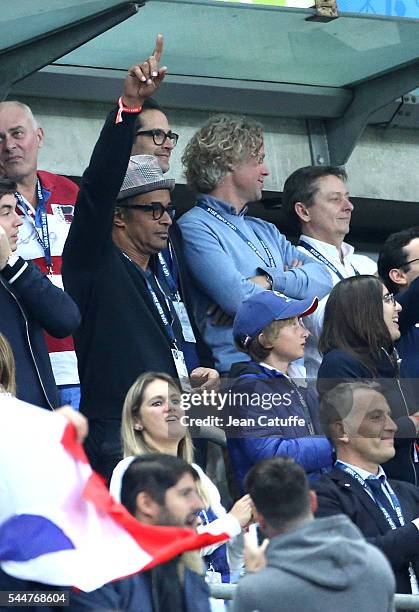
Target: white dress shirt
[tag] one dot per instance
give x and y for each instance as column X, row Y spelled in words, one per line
column 314, row 322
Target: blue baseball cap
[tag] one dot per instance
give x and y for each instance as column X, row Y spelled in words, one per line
column 257, row 312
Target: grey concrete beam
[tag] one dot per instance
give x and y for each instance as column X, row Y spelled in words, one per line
column 191, row 93
column 18, row 62
column 369, row 96
column 317, row 138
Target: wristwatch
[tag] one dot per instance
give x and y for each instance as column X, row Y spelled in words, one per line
column 269, row 279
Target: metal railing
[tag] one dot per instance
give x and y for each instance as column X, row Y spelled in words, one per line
column 402, row 602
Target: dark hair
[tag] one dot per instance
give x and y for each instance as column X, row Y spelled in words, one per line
column 154, row 474
column 148, row 104
column 126, row 214
column 338, row 402
column 7, row 186
column 279, row 490
column 302, row 185
column 354, row 320
column 393, row 255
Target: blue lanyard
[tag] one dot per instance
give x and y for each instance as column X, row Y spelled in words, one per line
column 214, row 213
column 41, row 222
column 394, row 500
column 166, row 324
column 323, row 259
column 160, row 310
column 396, row 505
column 303, row 402
column 168, row 275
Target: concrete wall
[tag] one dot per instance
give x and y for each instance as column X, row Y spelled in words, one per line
column 385, row 163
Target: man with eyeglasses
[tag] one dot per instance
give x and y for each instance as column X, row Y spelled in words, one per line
column 133, row 319
column 153, row 135
column 317, row 204
column 398, row 266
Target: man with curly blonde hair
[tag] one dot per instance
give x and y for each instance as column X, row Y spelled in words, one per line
column 231, row 255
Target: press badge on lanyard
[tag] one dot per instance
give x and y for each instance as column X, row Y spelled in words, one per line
column 183, row 317
column 179, row 306
column 40, row 223
column 56, row 279
column 182, row 372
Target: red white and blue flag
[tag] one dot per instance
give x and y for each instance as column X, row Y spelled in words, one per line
column 58, row 523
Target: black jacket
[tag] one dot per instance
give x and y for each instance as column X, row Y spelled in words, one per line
column 339, row 493
column 339, row 366
column 138, row 593
column 29, row 304
column 121, row 334
column 408, row 344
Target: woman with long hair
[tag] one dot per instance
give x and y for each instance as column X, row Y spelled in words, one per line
column 359, row 331
column 152, row 422
column 7, row 367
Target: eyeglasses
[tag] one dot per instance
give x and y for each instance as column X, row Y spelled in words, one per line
column 406, row 263
column 159, row 136
column 156, row 208
column 389, row 298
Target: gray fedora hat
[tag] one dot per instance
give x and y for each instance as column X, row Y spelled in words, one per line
column 143, row 175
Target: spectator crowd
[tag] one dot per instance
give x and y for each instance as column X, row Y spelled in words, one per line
column 231, row 382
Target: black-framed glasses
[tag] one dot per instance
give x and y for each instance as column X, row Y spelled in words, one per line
column 160, row 136
column 407, row 263
column 156, row 208
column 389, row 298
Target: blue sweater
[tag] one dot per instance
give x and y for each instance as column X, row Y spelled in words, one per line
column 221, row 264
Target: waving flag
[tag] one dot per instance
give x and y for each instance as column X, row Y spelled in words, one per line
column 58, row 523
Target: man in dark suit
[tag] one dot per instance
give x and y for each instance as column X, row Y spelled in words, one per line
column 356, row 417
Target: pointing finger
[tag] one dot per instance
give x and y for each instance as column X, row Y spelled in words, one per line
column 158, row 49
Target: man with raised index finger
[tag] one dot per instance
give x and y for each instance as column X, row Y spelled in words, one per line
column 129, row 322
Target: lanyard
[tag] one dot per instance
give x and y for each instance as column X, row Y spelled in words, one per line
column 396, row 505
column 324, row 260
column 304, row 405
column 301, row 398
column 214, row 213
column 40, row 222
column 170, row 277
column 364, row 484
column 166, row 324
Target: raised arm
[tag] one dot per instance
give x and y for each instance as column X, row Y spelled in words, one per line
column 91, row 229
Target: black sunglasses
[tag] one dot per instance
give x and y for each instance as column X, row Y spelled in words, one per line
column 156, row 208
column 159, row 136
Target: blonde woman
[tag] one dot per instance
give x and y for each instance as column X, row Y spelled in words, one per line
column 151, row 421
column 7, row 367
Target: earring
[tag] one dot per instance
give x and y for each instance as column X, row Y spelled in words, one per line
column 138, row 427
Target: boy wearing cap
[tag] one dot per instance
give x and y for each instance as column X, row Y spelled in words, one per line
column 274, row 412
